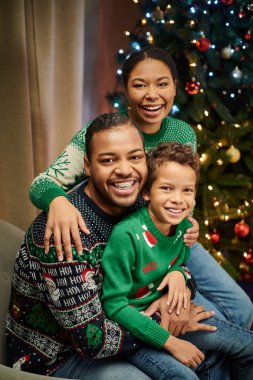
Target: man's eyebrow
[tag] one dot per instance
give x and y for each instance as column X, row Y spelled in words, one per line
column 115, row 154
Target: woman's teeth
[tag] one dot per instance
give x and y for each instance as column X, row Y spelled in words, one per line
column 152, row 108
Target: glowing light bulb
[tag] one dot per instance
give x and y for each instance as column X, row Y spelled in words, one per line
column 203, row 158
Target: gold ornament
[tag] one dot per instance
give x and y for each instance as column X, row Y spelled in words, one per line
column 227, row 52
column 233, row 154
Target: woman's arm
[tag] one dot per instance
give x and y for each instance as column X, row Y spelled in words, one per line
column 62, row 175
column 48, row 192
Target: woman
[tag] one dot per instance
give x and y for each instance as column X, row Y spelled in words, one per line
column 149, row 78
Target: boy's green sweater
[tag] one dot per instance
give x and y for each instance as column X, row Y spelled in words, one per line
column 67, row 170
column 135, row 261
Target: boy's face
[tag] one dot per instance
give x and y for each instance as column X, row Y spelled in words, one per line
column 117, row 169
column 172, row 195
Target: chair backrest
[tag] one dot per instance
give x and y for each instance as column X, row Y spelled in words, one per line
column 10, row 240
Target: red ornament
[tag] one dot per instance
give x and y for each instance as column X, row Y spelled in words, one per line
column 249, row 257
column 246, row 266
column 215, row 237
column 192, row 87
column 203, row 44
column 241, row 229
column 227, row 2
column 248, row 35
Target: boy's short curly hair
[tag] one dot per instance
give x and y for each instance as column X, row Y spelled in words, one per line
column 170, row 152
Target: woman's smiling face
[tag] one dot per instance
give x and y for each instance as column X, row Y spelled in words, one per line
column 151, row 91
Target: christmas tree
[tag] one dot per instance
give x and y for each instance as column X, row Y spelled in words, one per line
column 211, row 43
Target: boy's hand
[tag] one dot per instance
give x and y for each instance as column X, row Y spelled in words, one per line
column 184, row 351
column 192, row 234
column 178, row 323
column 177, row 295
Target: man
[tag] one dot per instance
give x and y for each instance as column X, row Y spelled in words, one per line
column 55, row 323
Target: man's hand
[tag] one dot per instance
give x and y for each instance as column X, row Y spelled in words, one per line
column 197, row 314
column 192, row 234
column 171, row 322
column 63, row 221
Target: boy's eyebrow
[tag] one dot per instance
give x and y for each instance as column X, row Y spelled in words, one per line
column 115, row 154
column 167, row 182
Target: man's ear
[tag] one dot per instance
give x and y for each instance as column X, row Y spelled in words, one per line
column 86, row 166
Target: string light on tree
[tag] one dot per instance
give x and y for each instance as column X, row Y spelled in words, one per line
column 237, row 73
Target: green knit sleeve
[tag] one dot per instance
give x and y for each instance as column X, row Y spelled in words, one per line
column 118, row 262
column 62, row 175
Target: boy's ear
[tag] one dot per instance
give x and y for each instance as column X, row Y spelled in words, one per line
column 145, row 195
column 86, row 166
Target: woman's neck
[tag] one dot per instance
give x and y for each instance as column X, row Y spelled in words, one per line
column 148, row 128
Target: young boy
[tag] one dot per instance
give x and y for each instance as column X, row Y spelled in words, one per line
column 148, row 245
column 144, row 253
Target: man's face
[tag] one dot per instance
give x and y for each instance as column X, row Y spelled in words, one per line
column 117, row 168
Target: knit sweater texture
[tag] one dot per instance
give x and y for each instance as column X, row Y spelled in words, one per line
column 67, row 170
column 55, row 307
column 136, row 259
